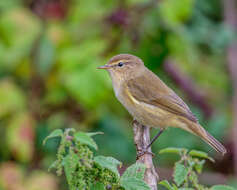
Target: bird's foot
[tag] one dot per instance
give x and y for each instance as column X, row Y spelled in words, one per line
column 141, row 152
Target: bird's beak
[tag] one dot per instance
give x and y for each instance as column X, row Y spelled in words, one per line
column 104, row 67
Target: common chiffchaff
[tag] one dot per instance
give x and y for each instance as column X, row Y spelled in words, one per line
column 150, row 101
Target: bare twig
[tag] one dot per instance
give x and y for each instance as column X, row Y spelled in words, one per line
column 142, row 140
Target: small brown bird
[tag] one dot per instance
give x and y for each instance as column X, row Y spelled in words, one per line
column 150, row 101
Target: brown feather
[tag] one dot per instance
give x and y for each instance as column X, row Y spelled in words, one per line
column 158, row 94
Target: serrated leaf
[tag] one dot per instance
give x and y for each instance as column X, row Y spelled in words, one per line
column 84, row 138
column 180, row 173
column 97, row 186
column 94, row 133
column 132, row 183
column 136, row 170
column 55, row 133
column 108, row 162
column 166, row 184
column 222, row 187
column 200, row 154
column 173, row 150
column 70, row 163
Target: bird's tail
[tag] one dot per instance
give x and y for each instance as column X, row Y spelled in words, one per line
column 198, row 130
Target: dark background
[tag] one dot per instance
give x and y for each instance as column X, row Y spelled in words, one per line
column 49, row 51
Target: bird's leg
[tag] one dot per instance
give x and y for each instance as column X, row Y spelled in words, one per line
column 154, row 139
column 145, row 150
column 141, row 152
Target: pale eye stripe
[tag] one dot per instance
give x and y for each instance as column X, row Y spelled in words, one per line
column 113, row 64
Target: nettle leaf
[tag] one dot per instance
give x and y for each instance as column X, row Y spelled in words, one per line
column 173, row 150
column 132, row 183
column 98, row 186
column 91, row 134
column 166, row 184
column 70, row 164
column 200, row 154
column 108, row 162
column 180, row 173
column 84, row 138
column 222, row 187
column 55, row 133
column 136, row 170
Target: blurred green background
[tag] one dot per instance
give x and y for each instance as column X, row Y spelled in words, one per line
column 49, row 51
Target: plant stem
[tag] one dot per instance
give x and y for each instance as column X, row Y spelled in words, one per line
column 141, row 141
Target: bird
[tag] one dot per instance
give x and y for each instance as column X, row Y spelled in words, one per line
column 150, row 101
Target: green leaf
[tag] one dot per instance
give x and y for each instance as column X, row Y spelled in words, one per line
column 200, row 154
column 180, row 173
column 185, row 188
column 97, row 186
column 166, row 184
column 199, row 165
column 109, row 163
column 70, row 164
column 132, row 183
column 175, row 187
column 55, row 133
column 94, row 133
column 173, row 150
column 84, row 138
column 222, row 187
column 136, row 170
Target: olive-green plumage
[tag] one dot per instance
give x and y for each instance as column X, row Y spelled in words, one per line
column 150, row 101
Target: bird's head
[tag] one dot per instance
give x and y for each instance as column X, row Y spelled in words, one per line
column 124, row 66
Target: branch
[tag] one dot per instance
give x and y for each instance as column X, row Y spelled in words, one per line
column 141, row 141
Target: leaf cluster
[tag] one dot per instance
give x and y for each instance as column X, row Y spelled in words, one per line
column 187, row 169
column 83, row 170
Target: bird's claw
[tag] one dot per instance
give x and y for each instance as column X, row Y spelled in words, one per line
column 141, row 152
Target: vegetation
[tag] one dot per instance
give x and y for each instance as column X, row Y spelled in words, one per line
column 49, row 51
column 83, row 170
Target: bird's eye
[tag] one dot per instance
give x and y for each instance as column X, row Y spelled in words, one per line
column 120, row 64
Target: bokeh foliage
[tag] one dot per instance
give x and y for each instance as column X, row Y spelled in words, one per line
column 49, row 51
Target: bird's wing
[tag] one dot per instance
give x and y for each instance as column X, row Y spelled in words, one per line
column 151, row 90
